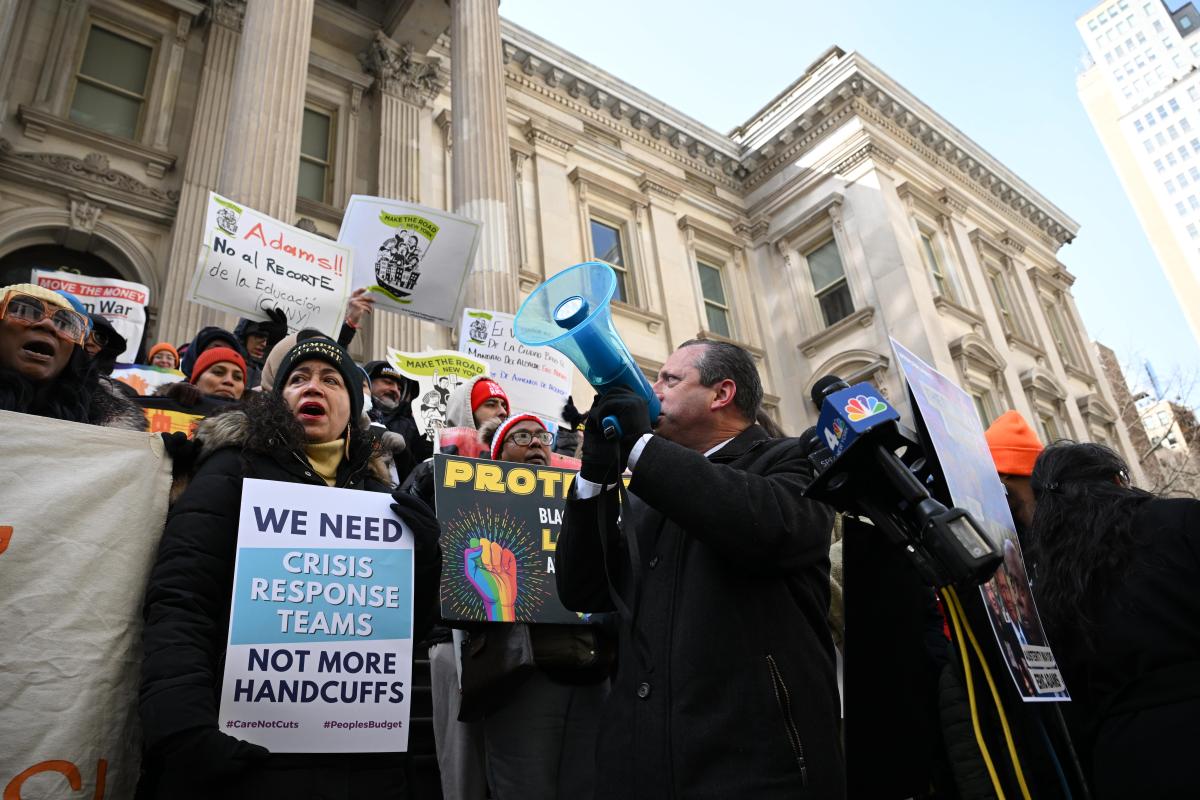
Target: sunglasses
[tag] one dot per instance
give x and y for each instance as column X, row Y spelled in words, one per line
column 25, row 309
column 525, row 438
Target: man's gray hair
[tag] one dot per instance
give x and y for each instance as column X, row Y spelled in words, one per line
column 721, row 361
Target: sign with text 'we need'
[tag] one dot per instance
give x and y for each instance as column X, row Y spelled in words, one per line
column 320, row 629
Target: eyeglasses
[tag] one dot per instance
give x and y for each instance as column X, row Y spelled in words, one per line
column 25, row 309
column 525, row 438
column 99, row 337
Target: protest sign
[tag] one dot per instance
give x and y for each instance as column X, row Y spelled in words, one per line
column 413, row 259
column 437, row 373
column 165, row 415
column 956, row 433
column 320, row 628
column 537, row 379
column 123, row 303
column 78, row 537
column 250, row 263
column 144, row 379
column 500, row 522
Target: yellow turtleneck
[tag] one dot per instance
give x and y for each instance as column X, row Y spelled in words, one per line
column 325, row 458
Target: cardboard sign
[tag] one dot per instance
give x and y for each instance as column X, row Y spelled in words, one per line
column 320, row 629
column 537, row 379
column 145, row 379
column 250, row 263
column 413, row 259
column 954, row 429
column 123, row 303
column 80, row 522
column 500, row 522
column 437, row 373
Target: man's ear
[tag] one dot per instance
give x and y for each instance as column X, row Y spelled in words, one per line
column 725, row 391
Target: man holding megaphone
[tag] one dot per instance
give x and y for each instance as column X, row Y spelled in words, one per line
column 719, row 568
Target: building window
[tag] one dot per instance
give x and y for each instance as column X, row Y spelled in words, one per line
column 829, row 282
column 1184, row 125
column 1174, row 104
column 1170, row 187
column 316, row 136
column 1003, row 302
column 110, row 86
column 1181, row 208
column 985, row 406
column 1158, row 165
column 716, row 308
column 934, row 261
column 608, row 247
column 1185, row 23
column 1173, row 133
column 1138, row 126
column 1050, row 430
column 1058, row 330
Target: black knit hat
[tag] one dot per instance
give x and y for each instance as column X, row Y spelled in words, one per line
column 329, row 351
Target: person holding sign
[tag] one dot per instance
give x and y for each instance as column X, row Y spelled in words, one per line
column 725, row 680
column 302, row 432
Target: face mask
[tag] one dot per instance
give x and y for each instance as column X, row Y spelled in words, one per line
column 368, row 403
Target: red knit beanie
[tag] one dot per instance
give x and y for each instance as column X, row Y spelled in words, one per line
column 215, row 356
column 485, row 389
column 1013, row 443
column 506, row 426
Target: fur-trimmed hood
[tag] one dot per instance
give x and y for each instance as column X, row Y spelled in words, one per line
column 116, row 410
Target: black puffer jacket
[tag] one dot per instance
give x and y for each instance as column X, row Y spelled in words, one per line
column 725, row 678
column 187, row 622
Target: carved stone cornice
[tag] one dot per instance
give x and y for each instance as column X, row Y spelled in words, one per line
column 870, row 150
column 588, row 181
column 951, row 202
column 699, row 227
column 399, row 72
column 90, row 177
column 544, row 133
column 229, row 13
column 39, row 123
column 859, row 319
column 659, row 185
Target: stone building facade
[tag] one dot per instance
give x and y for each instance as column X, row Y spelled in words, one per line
column 843, row 212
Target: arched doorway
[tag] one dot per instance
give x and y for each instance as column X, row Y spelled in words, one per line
column 17, row 266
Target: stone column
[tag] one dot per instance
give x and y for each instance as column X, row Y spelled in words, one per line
column 261, row 162
column 405, row 85
column 481, row 169
column 181, row 318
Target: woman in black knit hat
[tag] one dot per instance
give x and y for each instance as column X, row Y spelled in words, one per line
column 302, row 432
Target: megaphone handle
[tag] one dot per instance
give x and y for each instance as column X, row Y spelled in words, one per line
column 611, row 428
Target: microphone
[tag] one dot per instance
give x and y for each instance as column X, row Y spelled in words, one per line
column 866, row 477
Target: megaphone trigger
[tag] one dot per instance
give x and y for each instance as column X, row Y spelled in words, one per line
column 611, row 428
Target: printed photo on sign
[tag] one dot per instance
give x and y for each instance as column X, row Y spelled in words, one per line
column 500, row 524
column 956, row 434
column 122, row 303
column 320, row 628
column 145, row 379
column 251, row 263
column 414, row 259
column 437, row 373
column 536, row 379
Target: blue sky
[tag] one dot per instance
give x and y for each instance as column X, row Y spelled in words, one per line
column 1003, row 73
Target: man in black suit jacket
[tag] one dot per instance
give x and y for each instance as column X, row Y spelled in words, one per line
column 719, row 568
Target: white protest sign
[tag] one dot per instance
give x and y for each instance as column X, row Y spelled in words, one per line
column 536, row 379
column 320, row 628
column 413, row 259
column 250, row 263
column 123, row 303
column 81, row 512
column 437, row 373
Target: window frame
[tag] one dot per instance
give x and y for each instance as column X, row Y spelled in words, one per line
column 624, row 273
column 330, row 165
column 842, row 283
column 124, row 32
column 726, row 308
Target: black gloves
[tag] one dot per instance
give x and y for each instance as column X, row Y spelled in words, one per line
column 276, row 328
column 420, row 518
column 184, row 393
column 182, row 450
column 602, row 457
column 211, row 753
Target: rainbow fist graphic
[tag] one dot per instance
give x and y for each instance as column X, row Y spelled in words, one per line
column 492, row 570
column 861, row 407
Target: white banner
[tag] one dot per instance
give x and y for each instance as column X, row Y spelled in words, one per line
column 437, row 373
column 123, row 303
column 413, row 259
column 320, row 629
column 78, row 537
column 250, row 263
column 536, row 379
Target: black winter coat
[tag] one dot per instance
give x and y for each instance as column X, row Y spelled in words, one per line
column 1135, row 709
column 187, row 624
column 725, row 680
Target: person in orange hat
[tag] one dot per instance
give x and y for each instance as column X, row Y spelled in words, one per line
column 1015, row 448
column 163, row 355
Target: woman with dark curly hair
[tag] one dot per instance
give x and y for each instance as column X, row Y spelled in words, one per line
column 302, row 432
column 1117, row 577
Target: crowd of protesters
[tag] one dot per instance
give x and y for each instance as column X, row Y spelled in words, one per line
column 704, row 664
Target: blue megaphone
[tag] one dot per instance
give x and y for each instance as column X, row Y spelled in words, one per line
column 569, row 312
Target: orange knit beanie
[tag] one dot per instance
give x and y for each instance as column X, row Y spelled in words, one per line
column 1013, row 443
